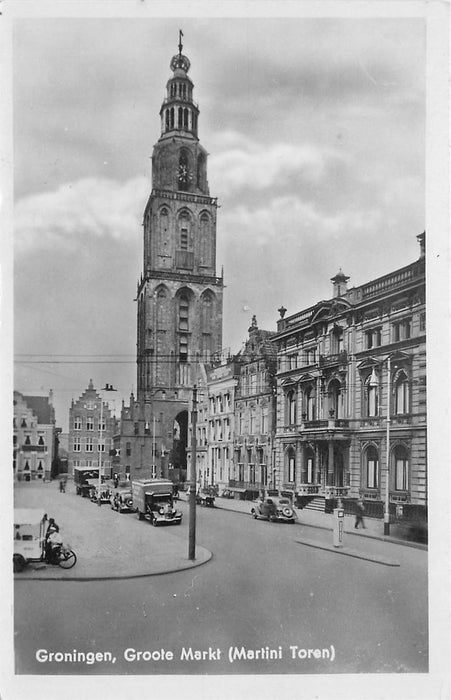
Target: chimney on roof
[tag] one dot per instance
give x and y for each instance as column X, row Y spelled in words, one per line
column 340, row 283
column 421, row 238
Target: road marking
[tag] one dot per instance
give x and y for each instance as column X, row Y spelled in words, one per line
column 349, row 553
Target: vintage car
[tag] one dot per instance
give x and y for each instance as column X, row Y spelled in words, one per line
column 274, row 509
column 121, row 500
column 206, row 497
column 105, row 492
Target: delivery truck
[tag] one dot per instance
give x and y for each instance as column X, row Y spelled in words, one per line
column 153, row 500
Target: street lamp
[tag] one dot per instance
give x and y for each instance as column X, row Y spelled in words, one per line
column 107, row 387
column 192, row 481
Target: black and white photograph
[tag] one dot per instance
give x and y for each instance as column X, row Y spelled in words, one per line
column 226, row 317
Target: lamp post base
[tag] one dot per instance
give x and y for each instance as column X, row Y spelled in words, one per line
column 386, row 528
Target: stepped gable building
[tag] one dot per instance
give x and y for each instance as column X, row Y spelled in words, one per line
column 86, row 438
column 255, row 415
column 345, row 365
column 179, row 295
column 34, row 437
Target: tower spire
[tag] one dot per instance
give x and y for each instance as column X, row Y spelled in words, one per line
column 180, row 42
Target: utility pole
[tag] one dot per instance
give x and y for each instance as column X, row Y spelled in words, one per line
column 192, row 482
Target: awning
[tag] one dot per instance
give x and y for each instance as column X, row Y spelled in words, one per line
column 236, row 489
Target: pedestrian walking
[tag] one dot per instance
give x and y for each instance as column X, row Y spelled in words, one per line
column 359, row 514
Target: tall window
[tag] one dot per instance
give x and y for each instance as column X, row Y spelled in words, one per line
column 402, row 393
column 372, row 395
column 372, row 468
column 77, row 444
column 89, row 423
column 291, row 405
column 77, row 423
column 401, row 476
column 309, row 470
column 310, row 403
column 291, row 467
column 89, row 444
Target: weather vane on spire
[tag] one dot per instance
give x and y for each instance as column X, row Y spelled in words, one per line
column 180, row 41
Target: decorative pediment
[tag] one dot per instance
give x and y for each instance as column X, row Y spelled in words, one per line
column 307, row 378
column 368, row 363
column 325, row 309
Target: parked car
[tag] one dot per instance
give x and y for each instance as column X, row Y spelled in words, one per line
column 206, row 497
column 121, row 500
column 274, row 509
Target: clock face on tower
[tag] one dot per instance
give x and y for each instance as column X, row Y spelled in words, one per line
column 184, row 174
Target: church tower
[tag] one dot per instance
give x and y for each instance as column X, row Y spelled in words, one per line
column 179, row 296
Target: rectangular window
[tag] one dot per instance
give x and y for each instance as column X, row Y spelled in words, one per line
column 309, row 470
column 293, row 360
column 77, row 423
column 423, row 321
column 401, row 468
column 251, row 422
column 264, row 429
column 89, row 444
column 372, row 474
column 128, row 449
column 291, row 469
column 89, row 423
column 77, row 444
column 101, row 446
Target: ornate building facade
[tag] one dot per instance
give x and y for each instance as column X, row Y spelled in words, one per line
column 179, row 295
column 91, row 430
column 255, row 414
column 351, row 394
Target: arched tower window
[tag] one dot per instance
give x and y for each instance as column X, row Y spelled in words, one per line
column 207, row 315
column 205, row 239
column 163, row 229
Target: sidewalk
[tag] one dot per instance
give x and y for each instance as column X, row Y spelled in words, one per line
column 374, row 529
column 113, row 545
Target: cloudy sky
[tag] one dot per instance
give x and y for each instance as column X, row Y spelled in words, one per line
column 315, row 130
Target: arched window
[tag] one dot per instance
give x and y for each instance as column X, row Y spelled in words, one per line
column 402, row 393
column 205, row 239
column 172, row 118
column 180, row 117
column 291, row 406
column 371, row 468
column 184, row 229
column 161, row 309
column 401, row 465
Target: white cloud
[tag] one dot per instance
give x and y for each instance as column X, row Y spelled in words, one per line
column 84, row 209
column 242, row 163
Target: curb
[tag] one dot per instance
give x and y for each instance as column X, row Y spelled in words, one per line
column 349, row 553
column 207, row 556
